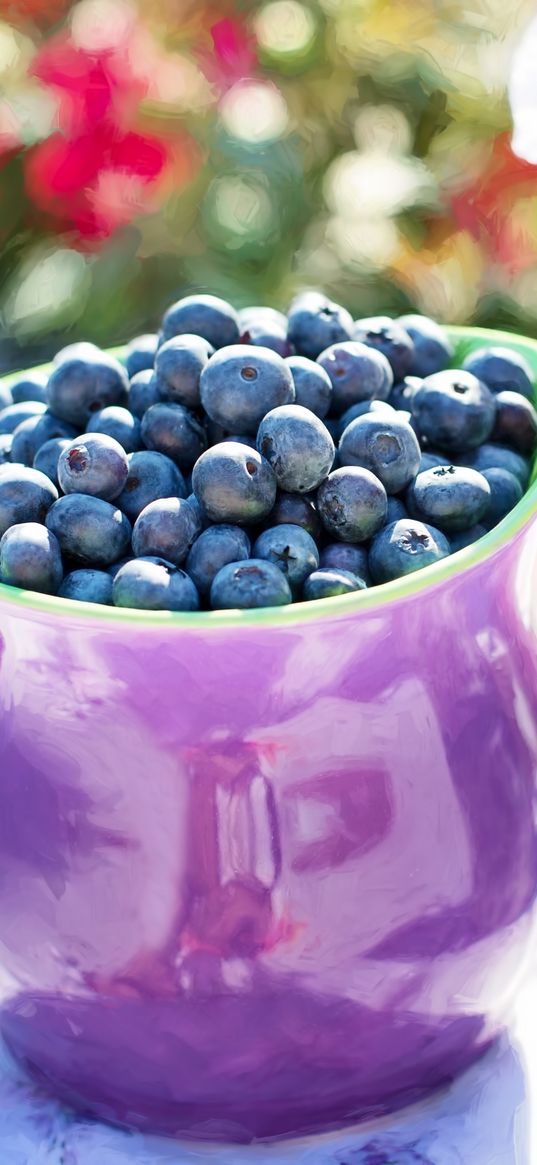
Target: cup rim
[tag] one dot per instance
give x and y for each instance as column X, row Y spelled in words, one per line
column 465, row 340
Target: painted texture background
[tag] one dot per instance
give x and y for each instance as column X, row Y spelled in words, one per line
column 252, row 148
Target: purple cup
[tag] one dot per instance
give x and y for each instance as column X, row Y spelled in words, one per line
column 269, row 872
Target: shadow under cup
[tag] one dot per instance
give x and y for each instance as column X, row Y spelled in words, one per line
column 270, row 872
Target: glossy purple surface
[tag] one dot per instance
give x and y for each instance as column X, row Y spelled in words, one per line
column 268, row 879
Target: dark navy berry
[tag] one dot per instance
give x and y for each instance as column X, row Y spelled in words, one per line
column 449, row 497
column 357, row 373
column 140, row 354
column 291, row 549
column 241, row 384
column 256, row 583
column 178, row 366
column 263, row 327
column 31, row 386
column 386, row 445
column 454, row 411
column 153, row 584
column 315, row 322
column 516, row 422
column 390, row 338
column 501, row 369
column 116, row 566
column 79, row 387
column 30, row 557
column 87, row 586
column 345, row 556
column 379, row 407
column 500, row 457
column 143, row 392
column 404, row 547
column 93, row 464
column 430, row 460
column 396, row 510
column 298, row 447
column 25, row 496
column 6, row 398
column 433, row 351
column 402, row 392
column 47, row 457
column 89, row 529
column 173, row 430
column 167, row 528
column 234, row 484
column 201, row 517
column 352, row 504
column 32, row 433
column 13, row 416
column 313, row 387
column 299, row 509
column 466, row 537
column 505, row 493
column 6, row 441
column 202, row 315
column 215, row 548
column 150, row 476
column 120, row 424
column 80, row 350
column 329, row 581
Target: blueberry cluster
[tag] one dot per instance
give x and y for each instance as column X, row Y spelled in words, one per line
column 253, row 459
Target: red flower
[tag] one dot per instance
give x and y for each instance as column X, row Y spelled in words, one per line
column 233, row 56
column 485, row 208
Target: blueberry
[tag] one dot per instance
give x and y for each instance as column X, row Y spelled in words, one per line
column 150, row 476
column 80, row 350
column 396, row 510
column 315, row 322
column 178, row 366
column 466, row 537
column 32, row 433
column 215, row 548
column 380, row 407
column 113, row 569
column 329, row 581
column 120, row 424
column 241, row 439
column 388, row 337
column 153, row 584
column 345, row 556
column 505, row 493
column 402, row 392
column 449, row 497
column 500, row 369
column 30, row 557
column 140, row 354
column 47, row 457
column 313, row 387
column 93, row 464
column 299, row 509
column 6, row 398
column 256, row 583
column 241, row 384
column 78, row 387
column 173, row 430
column 89, row 529
column 516, row 422
column 30, row 387
column 202, row 315
column 25, row 496
column 430, row 460
column 13, row 416
column 357, row 373
column 454, row 410
column 200, row 515
column 143, row 392
column 6, row 441
column 291, row 549
column 168, row 528
column 263, row 327
column 500, row 457
column 298, row 447
column 433, row 351
column 404, row 547
column 87, row 586
column 233, row 483
column 385, row 445
column 352, row 504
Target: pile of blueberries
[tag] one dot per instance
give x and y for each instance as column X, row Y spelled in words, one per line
column 253, row 459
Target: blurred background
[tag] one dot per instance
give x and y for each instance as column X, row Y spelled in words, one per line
column 153, row 147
